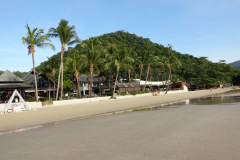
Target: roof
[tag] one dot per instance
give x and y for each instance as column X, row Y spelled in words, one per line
column 86, row 78
column 29, row 77
column 126, row 85
column 9, row 77
column 14, row 86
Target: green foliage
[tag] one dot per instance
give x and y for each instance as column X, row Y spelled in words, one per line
column 139, row 92
column 107, row 94
column 114, row 46
column 122, row 94
column 43, row 99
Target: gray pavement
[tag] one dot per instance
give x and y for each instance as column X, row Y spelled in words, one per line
column 172, row 133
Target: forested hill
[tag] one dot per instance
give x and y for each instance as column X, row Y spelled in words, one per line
column 235, row 64
column 198, row 71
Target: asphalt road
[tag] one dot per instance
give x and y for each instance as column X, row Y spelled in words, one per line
column 176, row 132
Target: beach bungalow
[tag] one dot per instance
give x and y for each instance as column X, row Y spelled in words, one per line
column 85, row 81
column 8, row 83
column 42, row 84
column 124, row 87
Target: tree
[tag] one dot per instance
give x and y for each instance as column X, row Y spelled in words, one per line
column 36, row 38
column 92, row 56
column 48, row 74
column 70, row 68
column 52, row 68
column 77, row 66
column 100, row 67
column 67, row 36
column 148, row 61
column 119, row 58
column 141, row 60
column 171, row 62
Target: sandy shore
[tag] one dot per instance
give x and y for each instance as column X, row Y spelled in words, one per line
column 49, row 114
column 185, row 132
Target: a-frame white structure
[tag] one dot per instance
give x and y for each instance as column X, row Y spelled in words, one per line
column 8, row 105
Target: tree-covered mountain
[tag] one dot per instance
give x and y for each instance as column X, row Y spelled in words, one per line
column 235, row 64
column 162, row 61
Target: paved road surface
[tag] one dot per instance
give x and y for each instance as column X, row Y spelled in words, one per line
column 174, row 133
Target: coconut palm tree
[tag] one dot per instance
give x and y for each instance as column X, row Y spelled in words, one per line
column 52, row 68
column 141, row 60
column 91, row 56
column 148, row 61
column 48, row 74
column 171, row 62
column 35, row 38
column 67, row 36
column 119, row 58
column 77, row 67
column 99, row 67
column 70, row 69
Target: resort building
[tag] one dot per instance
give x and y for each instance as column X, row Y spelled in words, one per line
column 42, row 83
column 8, row 83
column 85, row 84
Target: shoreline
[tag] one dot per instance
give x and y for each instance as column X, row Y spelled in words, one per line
column 64, row 113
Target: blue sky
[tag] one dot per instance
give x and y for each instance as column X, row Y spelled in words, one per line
column 209, row 28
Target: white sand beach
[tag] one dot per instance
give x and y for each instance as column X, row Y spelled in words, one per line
column 11, row 121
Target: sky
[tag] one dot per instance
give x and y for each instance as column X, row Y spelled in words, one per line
column 202, row 28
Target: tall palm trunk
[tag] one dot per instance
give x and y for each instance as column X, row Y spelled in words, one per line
column 103, row 89
column 34, row 72
column 78, row 83
column 169, row 78
column 62, row 52
column 49, row 89
column 91, row 79
column 129, row 77
column 115, row 83
column 54, row 86
column 72, row 76
column 59, row 75
column 141, row 67
column 148, row 68
column 88, row 86
column 99, row 86
column 161, row 75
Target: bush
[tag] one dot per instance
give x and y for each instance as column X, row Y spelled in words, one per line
column 107, row 94
column 43, row 99
column 122, row 94
column 139, row 92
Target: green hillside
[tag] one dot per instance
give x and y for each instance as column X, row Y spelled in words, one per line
column 235, row 64
column 198, row 71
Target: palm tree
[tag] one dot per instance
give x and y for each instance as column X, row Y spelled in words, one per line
column 48, row 74
column 52, row 67
column 128, row 65
column 110, row 65
column 36, row 38
column 149, row 60
column 91, row 56
column 141, row 60
column 171, row 62
column 67, row 36
column 99, row 67
column 70, row 69
column 119, row 58
column 77, row 66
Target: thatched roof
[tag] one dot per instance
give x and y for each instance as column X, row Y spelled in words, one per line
column 9, row 77
column 11, row 86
